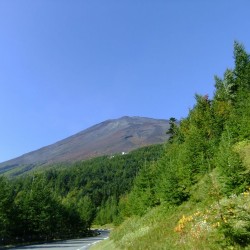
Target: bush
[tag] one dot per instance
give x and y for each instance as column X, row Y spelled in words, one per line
column 227, row 222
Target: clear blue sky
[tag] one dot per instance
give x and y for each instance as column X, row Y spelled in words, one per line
column 66, row 65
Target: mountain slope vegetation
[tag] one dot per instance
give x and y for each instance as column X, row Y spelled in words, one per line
column 196, row 196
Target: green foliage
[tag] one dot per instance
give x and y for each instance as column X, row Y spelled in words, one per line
column 184, row 162
column 203, row 162
column 64, row 203
column 41, row 215
column 225, row 223
column 236, row 219
column 238, row 122
column 107, row 212
column 174, row 178
column 86, row 210
column 143, row 195
column 242, row 67
column 173, row 131
column 222, row 224
column 6, row 209
column 233, row 177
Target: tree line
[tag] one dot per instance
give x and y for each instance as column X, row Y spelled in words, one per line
column 202, row 160
column 64, row 202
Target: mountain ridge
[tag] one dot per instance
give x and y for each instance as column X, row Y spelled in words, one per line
column 106, row 138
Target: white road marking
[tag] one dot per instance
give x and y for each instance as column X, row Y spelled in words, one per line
column 91, row 244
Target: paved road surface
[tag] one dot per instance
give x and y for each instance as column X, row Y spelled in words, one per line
column 75, row 244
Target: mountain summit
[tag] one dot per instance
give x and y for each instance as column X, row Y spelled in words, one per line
column 106, row 138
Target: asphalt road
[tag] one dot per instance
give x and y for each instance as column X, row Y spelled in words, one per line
column 75, row 244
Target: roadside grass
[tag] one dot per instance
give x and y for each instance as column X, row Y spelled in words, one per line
column 208, row 221
column 104, row 245
column 152, row 231
column 196, row 226
column 156, row 230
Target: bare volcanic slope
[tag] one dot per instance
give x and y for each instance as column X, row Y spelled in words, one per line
column 106, row 138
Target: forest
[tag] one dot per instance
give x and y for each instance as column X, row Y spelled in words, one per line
column 63, row 202
column 197, row 195
column 193, row 192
